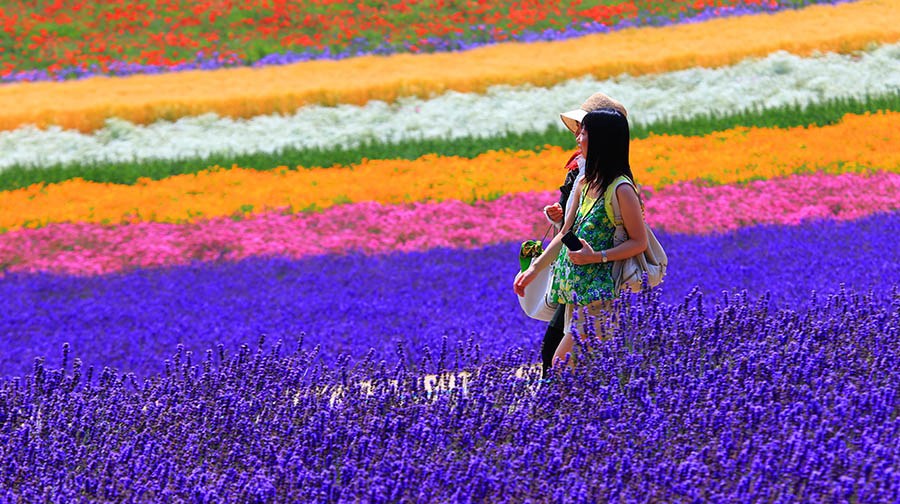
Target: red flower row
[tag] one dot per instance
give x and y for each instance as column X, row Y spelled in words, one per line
column 60, row 34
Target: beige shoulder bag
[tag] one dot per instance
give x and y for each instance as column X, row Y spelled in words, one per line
column 628, row 273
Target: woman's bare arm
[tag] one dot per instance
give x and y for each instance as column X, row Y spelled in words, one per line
column 633, row 220
column 552, row 251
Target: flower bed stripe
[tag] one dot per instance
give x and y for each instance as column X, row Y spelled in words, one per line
column 858, row 144
column 131, row 321
column 243, row 92
column 129, row 45
column 734, row 402
column 375, row 228
column 779, row 80
column 824, row 113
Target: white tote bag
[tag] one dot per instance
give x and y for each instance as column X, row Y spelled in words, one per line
column 537, row 303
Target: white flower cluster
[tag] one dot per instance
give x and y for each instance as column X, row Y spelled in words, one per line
column 779, row 79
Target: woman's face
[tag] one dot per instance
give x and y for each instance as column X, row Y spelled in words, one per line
column 582, row 138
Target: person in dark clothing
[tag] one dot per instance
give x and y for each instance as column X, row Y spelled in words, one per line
column 556, row 212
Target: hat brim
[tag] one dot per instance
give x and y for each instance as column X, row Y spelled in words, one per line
column 572, row 119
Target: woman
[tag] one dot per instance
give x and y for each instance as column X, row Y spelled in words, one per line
column 555, row 213
column 583, row 278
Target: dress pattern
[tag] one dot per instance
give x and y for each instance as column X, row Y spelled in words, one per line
column 582, row 285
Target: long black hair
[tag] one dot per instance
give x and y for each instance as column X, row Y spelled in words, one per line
column 608, row 142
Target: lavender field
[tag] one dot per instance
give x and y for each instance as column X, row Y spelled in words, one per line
column 273, row 277
column 228, row 382
column 353, row 304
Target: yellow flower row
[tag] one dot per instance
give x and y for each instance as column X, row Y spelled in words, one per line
column 246, row 92
column 858, row 143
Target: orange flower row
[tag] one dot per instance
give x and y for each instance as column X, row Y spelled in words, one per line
column 857, row 144
column 246, row 92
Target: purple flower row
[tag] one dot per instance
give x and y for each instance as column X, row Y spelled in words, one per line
column 350, row 304
column 363, row 47
column 744, row 405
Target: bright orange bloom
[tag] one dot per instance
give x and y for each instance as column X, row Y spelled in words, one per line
column 857, row 144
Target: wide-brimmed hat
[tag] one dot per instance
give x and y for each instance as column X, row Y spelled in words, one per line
column 596, row 101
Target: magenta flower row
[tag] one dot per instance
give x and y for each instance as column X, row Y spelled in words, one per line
column 375, row 228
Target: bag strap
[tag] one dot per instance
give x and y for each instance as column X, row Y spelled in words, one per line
column 547, row 232
column 611, row 202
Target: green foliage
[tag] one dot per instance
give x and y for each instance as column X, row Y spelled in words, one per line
column 819, row 114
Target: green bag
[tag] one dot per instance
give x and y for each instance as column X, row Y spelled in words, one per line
column 531, row 249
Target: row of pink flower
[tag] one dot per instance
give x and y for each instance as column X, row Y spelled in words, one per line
column 374, row 228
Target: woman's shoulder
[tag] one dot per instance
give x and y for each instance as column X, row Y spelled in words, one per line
column 617, row 185
column 627, row 195
column 626, row 187
column 621, row 180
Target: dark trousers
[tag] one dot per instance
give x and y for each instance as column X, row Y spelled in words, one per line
column 552, row 338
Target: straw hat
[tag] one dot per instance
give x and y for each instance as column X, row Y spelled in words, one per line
column 596, row 101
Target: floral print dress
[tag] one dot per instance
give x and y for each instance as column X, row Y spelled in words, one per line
column 582, row 285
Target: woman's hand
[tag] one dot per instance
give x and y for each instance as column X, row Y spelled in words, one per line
column 585, row 255
column 522, row 280
column 554, row 212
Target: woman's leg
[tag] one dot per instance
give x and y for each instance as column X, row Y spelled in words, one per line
column 552, row 338
column 598, row 313
column 567, row 343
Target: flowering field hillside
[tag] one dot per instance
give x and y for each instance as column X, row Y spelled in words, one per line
column 263, row 251
column 78, row 39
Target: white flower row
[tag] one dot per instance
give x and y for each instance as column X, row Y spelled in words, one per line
column 779, row 79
